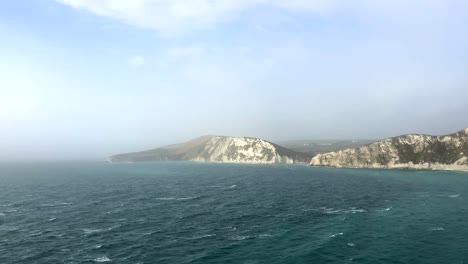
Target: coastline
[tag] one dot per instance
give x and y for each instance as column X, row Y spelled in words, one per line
column 404, row 166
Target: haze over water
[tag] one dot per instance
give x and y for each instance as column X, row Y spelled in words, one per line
column 182, row 212
column 83, row 79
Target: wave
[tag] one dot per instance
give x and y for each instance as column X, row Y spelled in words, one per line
column 264, row 235
column 36, row 234
column 102, row 259
column 337, row 234
column 384, row 210
column 230, row 187
column 177, row 198
column 52, row 219
column 325, row 210
column 240, row 237
column 89, row 231
column 331, row 211
column 9, row 228
column 450, row 195
column 55, row 204
column 437, row 229
column 351, row 245
column 354, row 211
column 204, row 236
column 231, row 228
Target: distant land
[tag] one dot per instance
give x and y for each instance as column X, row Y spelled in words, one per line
column 314, row 147
column 219, row 149
column 415, row 151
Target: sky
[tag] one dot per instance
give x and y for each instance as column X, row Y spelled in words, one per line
column 86, row 79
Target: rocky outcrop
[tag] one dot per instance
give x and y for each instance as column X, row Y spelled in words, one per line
column 407, row 151
column 219, row 149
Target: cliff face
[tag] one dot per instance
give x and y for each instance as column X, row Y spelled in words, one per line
column 219, row 149
column 408, row 151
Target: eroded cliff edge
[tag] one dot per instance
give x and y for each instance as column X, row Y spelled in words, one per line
column 448, row 152
column 219, row 149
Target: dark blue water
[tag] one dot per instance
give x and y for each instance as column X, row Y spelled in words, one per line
column 218, row 213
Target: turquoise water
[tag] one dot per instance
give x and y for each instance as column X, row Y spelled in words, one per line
column 219, row 213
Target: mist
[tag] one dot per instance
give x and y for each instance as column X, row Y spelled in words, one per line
column 76, row 83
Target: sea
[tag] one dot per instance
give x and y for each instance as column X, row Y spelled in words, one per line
column 186, row 212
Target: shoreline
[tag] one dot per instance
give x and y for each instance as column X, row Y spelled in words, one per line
column 416, row 168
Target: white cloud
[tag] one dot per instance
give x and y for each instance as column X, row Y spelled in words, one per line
column 136, row 61
column 175, row 16
column 179, row 16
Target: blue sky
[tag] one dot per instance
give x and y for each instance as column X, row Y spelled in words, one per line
column 89, row 78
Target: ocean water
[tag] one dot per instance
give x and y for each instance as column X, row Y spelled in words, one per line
column 220, row 213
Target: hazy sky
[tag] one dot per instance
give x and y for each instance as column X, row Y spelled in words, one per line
column 89, row 78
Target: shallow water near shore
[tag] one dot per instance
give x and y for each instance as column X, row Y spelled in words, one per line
column 182, row 212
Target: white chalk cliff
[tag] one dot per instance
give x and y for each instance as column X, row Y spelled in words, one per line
column 219, row 149
column 448, row 152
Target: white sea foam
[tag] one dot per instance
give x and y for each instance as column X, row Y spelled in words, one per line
column 204, row 236
column 384, row 210
column 351, row 245
column 354, row 211
column 326, row 210
column 437, row 229
column 12, row 228
column 113, row 227
column 38, row 233
column 331, row 211
column 89, row 231
column 102, row 259
column 240, row 237
column 232, row 228
column 335, row 235
column 176, row 198
column 264, row 235
column 231, row 187
column 55, row 204
column 8, row 228
column 450, row 195
column 52, row 219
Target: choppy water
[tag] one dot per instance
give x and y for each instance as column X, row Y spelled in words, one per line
column 218, row 213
